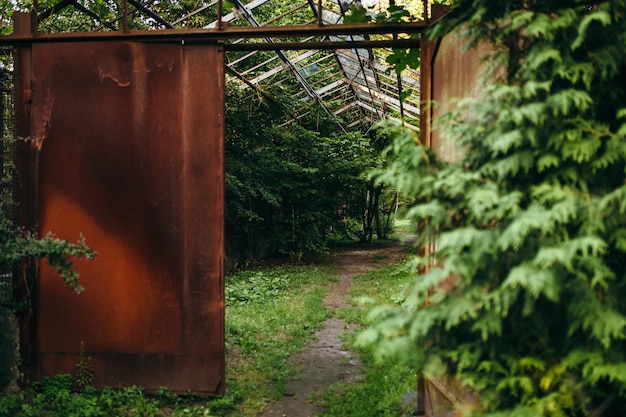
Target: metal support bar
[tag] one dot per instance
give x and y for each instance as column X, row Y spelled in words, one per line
column 125, row 18
column 35, row 20
column 88, row 12
column 150, row 13
column 319, row 13
column 199, row 10
column 214, row 35
column 280, row 16
column 294, row 46
column 54, row 9
column 220, row 10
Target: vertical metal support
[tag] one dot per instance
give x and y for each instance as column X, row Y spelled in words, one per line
column 22, row 80
column 399, row 81
column 421, row 394
column 125, row 21
column 2, row 126
column 34, row 21
column 320, row 22
column 6, row 278
column 426, row 6
column 220, row 11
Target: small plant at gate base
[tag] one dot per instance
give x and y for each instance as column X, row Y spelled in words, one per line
column 84, row 368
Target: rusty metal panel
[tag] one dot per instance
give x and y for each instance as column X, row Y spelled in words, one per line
column 451, row 73
column 127, row 149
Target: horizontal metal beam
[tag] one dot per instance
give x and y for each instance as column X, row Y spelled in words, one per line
column 233, row 32
column 369, row 44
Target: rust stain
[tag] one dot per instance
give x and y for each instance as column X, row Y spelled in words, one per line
column 42, row 113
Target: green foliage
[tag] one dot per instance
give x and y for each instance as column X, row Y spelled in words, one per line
column 399, row 59
column 17, row 247
column 258, row 286
column 61, row 254
column 523, row 301
column 53, row 397
column 288, row 188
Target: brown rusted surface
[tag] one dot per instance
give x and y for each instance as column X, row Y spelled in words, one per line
column 127, row 143
column 450, row 72
column 25, row 291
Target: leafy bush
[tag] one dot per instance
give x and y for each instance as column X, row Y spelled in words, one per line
column 523, row 297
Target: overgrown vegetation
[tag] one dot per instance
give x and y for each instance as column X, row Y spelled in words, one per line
column 55, row 397
column 523, row 299
column 288, row 189
column 18, row 248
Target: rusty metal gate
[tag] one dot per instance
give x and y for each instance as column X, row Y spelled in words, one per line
column 123, row 142
column 121, row 138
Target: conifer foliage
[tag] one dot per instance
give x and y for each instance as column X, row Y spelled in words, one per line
column 524, row 299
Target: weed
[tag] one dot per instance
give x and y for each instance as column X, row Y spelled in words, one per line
column 84, row 368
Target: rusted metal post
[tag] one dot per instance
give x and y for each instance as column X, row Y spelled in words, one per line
column 26, row 199
column 421, row 394
column 220, row 11
column 125, row 21
column 34, row 21
column 320, row 22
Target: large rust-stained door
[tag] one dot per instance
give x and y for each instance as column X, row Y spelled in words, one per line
column 126, row 148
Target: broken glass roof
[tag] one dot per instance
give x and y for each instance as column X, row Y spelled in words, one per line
column 319, row 70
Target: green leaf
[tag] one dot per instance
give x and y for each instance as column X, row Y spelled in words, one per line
column 600, row 16
column 357, row 14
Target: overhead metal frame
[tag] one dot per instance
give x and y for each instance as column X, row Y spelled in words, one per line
column 299, row 47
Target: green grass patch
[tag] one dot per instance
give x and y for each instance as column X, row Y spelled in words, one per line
column 404, row 226
column 270, row 314
column 386, row 389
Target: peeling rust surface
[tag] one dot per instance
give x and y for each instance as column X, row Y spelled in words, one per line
column 449, row 73
column 127, row 139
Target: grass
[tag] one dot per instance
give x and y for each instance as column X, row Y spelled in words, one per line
column 386, row 389
column 270, row 314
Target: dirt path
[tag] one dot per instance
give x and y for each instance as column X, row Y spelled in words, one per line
column 323, row 362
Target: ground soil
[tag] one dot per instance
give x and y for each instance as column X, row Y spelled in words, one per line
column 325, row 361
